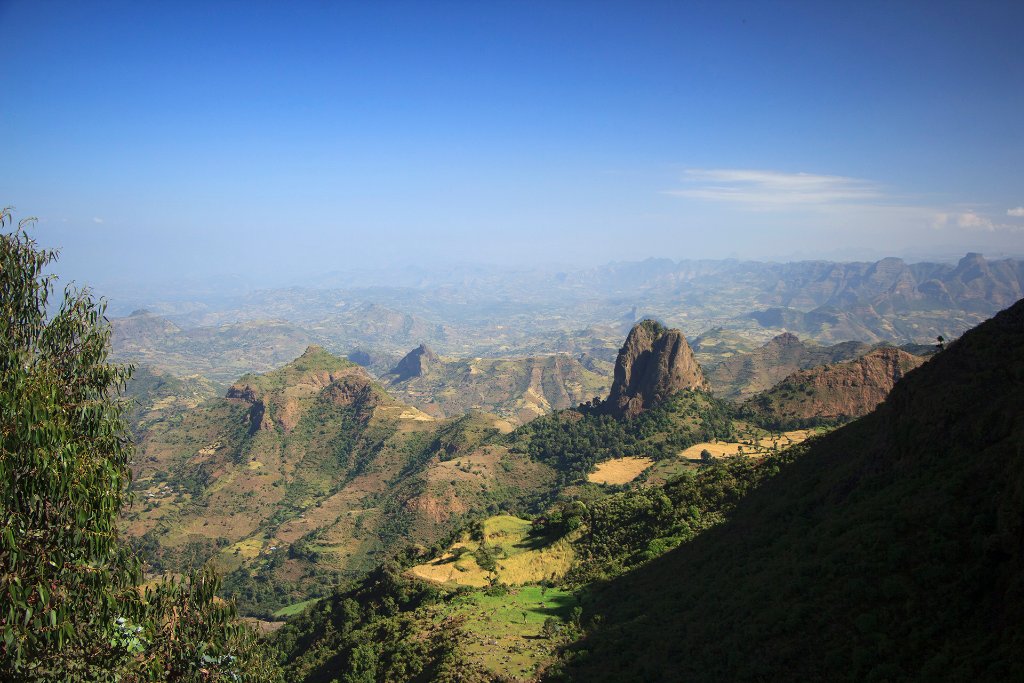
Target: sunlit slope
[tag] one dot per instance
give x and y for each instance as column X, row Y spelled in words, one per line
column 831, row 394
column 500, row 549
column 311, row 470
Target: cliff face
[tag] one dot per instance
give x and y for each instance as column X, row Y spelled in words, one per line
column 653, row 364
column 844, row 390
column 416, row 363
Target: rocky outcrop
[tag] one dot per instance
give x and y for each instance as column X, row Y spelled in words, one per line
column 653, row 364
column 280, row 398
column 416, row 363
column 834, row 392
column 357, row 391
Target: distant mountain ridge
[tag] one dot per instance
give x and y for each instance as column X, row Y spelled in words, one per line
column 741, row 376
column 866, row 300
column 220, row 353
column 517, row 389
column 889, row 284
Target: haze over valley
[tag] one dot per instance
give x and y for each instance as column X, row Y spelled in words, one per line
column 502, row 342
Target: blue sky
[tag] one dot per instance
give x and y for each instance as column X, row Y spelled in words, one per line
column 163, row 140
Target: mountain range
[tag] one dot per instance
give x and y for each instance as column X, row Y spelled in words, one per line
column 517, row 389
column 888, row 549
column 516, row 313
column 312, row 465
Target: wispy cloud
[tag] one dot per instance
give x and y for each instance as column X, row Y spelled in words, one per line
column 774, row 189
column 97, row 220
column 844, row 200
column 972, row 221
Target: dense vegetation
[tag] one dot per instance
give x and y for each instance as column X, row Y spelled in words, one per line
column 889, row 551
column 641, row 523
column 573, row 441
column 70, row 603
column 369, row 633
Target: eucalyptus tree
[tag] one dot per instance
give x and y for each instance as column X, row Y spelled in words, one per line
column 71, row 605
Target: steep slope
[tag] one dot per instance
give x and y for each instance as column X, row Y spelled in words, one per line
column 889, row 550
column 653, row 364
column 308, row 473
column 517, row 389
column 831, row 393
column 743, row 375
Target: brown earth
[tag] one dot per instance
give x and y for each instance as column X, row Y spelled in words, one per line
column 840, row 391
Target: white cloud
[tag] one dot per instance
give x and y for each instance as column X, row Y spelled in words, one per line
column 972, row 221
column 1016, row 213
column 97, row 220
column 774, row 189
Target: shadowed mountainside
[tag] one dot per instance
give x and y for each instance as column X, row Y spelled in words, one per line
column 890, row 549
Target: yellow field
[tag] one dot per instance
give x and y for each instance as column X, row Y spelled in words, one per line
column 759, row 447
column 247, row 549
column 519, row 562
column 620, row 470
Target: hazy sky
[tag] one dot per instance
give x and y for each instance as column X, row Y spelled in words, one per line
column 157, row 139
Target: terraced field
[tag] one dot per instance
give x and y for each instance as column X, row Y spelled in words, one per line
column 518, row 558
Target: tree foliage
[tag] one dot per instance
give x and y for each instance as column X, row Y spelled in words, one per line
column 372, row 632
column 70, row 603
column 573, row 441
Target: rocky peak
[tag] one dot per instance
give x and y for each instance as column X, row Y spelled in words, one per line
column 281, row 396
column 971, row 266
column 786, row 339
column 416, row 363
column 653, row 364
